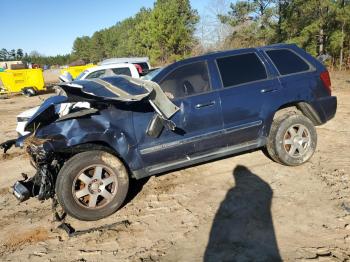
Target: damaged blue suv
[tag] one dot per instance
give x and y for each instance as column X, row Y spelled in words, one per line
column 203, row 108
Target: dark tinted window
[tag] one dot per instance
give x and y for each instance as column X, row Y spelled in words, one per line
column 122, row 71
column 96, row 74
column 240, row 69
column 287, row 62
column 187, row 80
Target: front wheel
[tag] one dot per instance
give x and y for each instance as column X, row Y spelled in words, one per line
column 29, row 91
column 292, row 140
column 92, row 185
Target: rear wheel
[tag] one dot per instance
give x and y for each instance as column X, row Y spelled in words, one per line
column 292, row 140
column 92, row 185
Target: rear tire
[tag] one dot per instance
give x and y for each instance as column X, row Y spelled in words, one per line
column 92, row 185
column 292, row 140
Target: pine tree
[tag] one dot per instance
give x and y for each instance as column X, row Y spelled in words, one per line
column 19, row 54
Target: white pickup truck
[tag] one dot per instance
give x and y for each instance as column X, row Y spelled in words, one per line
column 104, row 70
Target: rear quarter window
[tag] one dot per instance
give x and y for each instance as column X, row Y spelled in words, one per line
column 240, row 69
column 122, row 71
column 287, row 62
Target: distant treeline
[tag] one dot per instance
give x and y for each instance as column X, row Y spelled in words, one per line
column 167, row 32
column 319, row 26
column 164, row 33
column 34, row 57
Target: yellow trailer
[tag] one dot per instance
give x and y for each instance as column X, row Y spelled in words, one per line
column 27, row 81
column 76, row 70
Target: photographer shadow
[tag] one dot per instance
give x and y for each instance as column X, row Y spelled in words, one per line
column 243, row 228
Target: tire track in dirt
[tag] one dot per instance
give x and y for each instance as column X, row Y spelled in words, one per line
column 17, row 241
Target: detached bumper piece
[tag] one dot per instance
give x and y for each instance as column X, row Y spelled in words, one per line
column 22, row 190
column 73, row 233
column 41, row 186
column 7, row 145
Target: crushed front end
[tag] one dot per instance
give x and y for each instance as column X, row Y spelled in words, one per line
column 47, row 165
column 92, row 112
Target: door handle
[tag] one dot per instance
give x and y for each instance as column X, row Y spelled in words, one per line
column 211, row 103
column 268, row 90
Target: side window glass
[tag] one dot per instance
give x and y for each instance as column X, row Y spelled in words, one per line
column 287, row 62
column 122, row 71
column 240, row 69
column 187, row 80
column 96, row 74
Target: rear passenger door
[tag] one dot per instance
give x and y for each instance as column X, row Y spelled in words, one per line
column 246, row 93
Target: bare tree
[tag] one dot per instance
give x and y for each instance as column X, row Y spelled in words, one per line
column 211, row 31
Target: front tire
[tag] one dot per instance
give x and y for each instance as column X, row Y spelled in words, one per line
column 92, row 185
column 292, row 140
column 29, row 92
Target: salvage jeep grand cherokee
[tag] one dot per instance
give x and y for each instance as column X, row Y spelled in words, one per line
column 191, row 111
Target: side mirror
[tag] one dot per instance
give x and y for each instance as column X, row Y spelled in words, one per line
column 157, row 125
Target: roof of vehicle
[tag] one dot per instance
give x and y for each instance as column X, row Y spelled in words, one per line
column 109, row 66
column 242, row 50
column 125, row 60
column 215, row 54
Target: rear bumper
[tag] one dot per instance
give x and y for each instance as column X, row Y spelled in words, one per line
column 326, row 108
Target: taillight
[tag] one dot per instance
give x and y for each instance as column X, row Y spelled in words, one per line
column 326, row 80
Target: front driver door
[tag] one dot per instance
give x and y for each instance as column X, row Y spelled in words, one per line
column 198, row 121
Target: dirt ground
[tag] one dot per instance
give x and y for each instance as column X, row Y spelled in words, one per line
column 258, row 208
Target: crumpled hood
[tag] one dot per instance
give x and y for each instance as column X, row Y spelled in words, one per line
column 121, row 89
column 45, row 114
column 116, row 89
column 108, row 89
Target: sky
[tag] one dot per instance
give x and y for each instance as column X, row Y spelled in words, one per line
column 51, row 26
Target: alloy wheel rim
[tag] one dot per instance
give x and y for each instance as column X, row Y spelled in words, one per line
column 296, row 140
column 95, row 186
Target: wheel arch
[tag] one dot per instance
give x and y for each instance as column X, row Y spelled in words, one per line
column 302, row 107
column 101, row 146
column 123, row 150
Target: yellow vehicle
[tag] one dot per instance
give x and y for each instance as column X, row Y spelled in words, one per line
column 76, row 70
column 27, row 81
